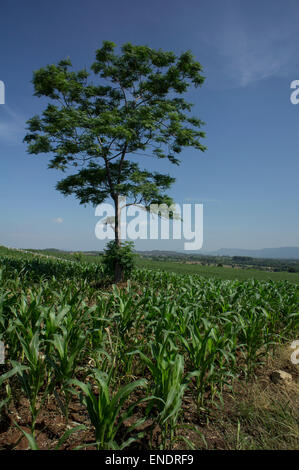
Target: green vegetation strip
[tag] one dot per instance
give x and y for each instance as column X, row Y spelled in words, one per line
column 218, row 272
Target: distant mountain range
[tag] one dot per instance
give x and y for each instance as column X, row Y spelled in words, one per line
column 287, row 252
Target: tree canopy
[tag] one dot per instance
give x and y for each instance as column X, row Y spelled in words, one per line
column 126, row 105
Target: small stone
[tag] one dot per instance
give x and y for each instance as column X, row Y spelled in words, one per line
column 280, row 376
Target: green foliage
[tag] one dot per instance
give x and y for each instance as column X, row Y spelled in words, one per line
column 138, row 108
column 104, row 409
column 31, row 377
column 213, row 271
column 121, row 254
column 36, row 267
column 166, row 367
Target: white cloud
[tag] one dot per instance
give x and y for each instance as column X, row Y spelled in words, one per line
column 252, row 47
column 253, row 58
column 58, row 220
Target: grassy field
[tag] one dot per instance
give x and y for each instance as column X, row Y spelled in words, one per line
column 175, row 267
column 217, row 272
column 164, row 361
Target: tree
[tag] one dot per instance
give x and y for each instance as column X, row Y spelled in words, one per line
column 133, row 107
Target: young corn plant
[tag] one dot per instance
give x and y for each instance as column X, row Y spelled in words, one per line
column 99, row 320
column 65, row 363
column 32, row 375
column 125, row 309
column 127, row 321
column 210, row 356
column 105, row 409
column 255, row 337
column 167, row 370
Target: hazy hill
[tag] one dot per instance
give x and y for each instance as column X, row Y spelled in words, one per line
column 287, row 252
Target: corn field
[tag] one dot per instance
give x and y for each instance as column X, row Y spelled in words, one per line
column 128, row 357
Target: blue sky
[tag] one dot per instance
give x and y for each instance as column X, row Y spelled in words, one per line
column 247, row 180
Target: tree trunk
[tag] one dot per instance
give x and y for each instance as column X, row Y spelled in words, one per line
column 118, row 274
